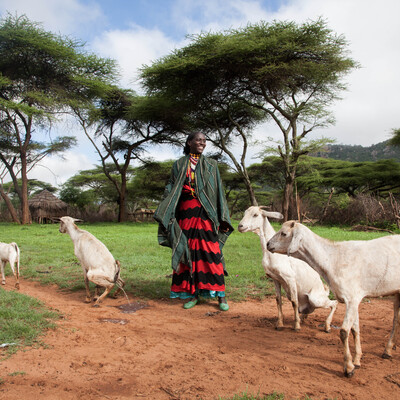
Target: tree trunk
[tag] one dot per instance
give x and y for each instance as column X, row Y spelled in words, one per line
column 122, row 201
column 10, row 206
column 288, row 203
column 25, row 213
column 250, row 190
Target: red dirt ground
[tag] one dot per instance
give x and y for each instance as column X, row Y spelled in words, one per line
column 165, row 352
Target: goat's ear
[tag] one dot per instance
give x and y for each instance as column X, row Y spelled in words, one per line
column 273, row 214
column 296, row 239
column 78, row 220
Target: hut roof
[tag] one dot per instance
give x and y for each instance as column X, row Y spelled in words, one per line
column 46, row 200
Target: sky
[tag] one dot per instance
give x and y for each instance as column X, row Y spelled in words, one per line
column 138, row 32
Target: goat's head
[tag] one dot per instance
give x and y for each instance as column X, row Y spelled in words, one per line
column 287, row 240
column 253, row 219
column 66, row 222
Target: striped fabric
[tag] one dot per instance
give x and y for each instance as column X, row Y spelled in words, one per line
column 207, row 279
column 210, row 193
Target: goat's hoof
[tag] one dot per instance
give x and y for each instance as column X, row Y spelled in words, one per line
column 3, row 282
column 96, row 305
column 17, row 286
column 348, row 374
column 279, row 328
column 386, row 356
column 88, row 300
column 296, row 329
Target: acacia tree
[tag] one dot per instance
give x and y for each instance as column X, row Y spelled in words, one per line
column 228, row 126
column 289, row 73
column 204, row 105
column 120, row 128
column 40, row 74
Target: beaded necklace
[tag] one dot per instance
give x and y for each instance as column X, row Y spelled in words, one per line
column 193, row 159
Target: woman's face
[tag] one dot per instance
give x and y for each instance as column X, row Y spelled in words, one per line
column 198, row 143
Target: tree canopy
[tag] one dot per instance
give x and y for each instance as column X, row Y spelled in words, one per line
column 280, row 71
column 41, row 76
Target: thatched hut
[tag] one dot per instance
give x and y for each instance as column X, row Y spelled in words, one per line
column 45, row 207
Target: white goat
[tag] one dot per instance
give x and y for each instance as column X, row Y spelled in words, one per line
column 301, row 283
column 9, row 252
column 353, row 269
column 97, row 262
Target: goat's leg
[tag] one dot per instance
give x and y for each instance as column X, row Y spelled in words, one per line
column 278, row 297
column 355, row 330
column 96, row 293
column 348, row 321
column 103, row 281
column 88, row 297
column 3, row 278
column 327, row 303
column 396, row 320
column 328, row 321
column 12, row 261
column 296, row 323
column 324, row 302
column 303, row 317
column 295, row 304
column 17, row 273
column 100, row 299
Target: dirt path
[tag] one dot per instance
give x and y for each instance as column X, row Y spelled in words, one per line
column 165, row 352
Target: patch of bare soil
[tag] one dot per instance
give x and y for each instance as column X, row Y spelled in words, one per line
column 162, row 351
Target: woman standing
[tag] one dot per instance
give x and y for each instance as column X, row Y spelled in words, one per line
column 194, row 221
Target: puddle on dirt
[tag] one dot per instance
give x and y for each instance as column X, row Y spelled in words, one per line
column 130, row 308
column 114, row 321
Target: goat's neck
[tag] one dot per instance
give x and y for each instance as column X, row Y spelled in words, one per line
column 320, row 254
column 73, row 231
column 266, row 233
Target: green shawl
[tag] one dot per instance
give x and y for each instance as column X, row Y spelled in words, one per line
column 210, row 193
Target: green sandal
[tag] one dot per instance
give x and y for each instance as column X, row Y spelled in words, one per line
column 223, row 305
column 190, row 304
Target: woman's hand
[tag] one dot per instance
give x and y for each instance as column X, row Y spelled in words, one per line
column 224, row 226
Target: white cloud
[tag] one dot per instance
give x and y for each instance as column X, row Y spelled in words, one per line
column 369, row 109
column 132, row 49
column 58, row 16
column 56, row 170
column 366, row 115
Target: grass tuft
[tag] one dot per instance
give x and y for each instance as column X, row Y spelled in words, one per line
column 23, row 320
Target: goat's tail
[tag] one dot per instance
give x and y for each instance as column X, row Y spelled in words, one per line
column 117, row 279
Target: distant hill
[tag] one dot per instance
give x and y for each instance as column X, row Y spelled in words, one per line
column 379, row 151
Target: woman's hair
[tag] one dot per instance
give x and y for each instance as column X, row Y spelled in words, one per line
column 186, row 149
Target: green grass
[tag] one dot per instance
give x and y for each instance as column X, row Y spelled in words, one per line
column 48, row 256
column 23, row 320
column 272, row 396
column 246, row 396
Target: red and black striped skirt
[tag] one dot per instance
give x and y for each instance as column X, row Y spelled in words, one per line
column 207, row 279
